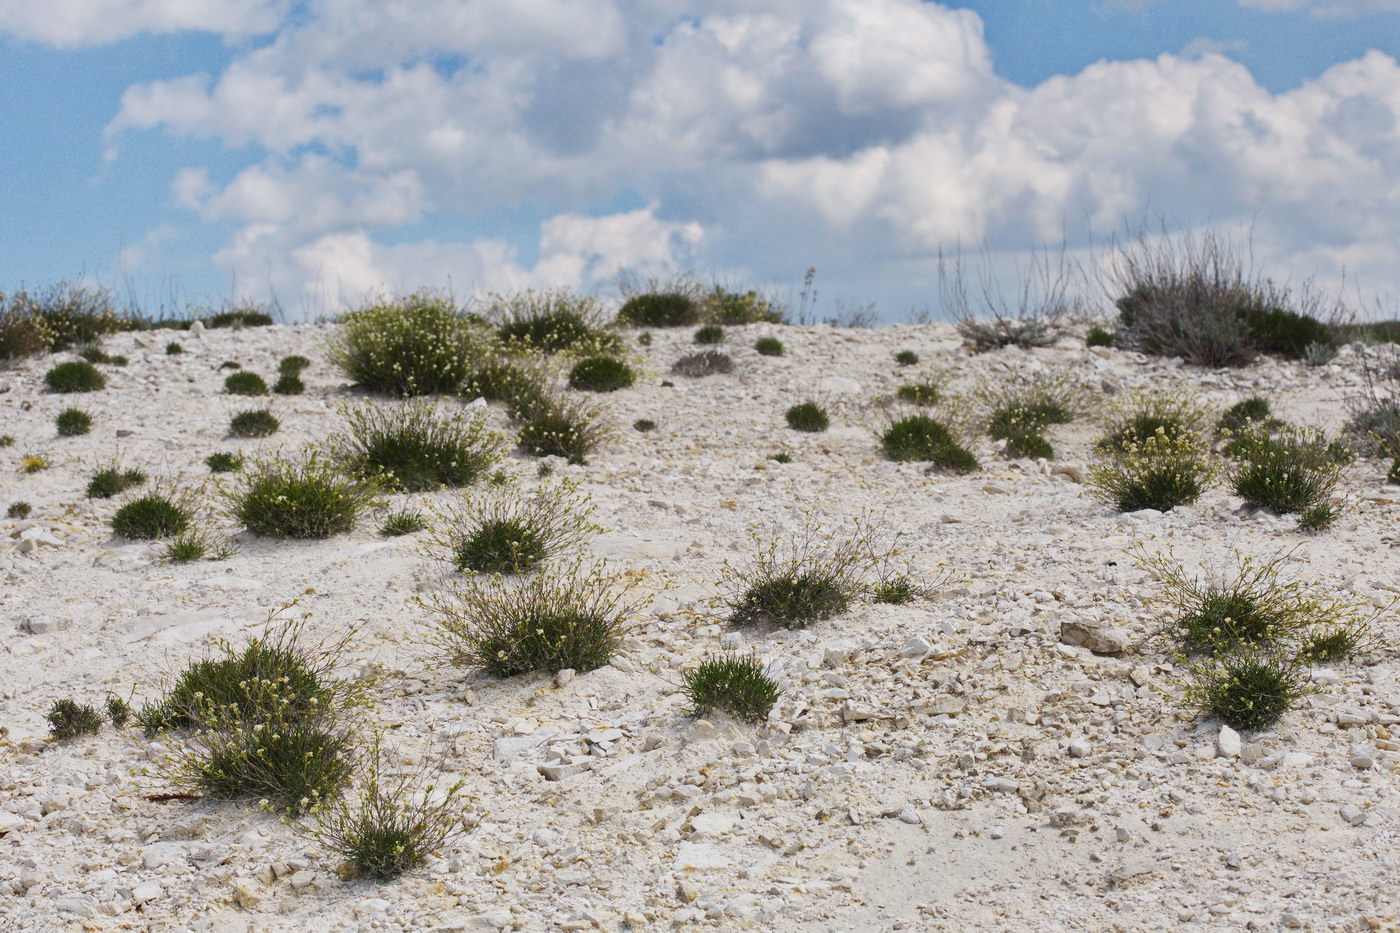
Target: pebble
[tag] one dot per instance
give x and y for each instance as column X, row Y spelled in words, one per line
column 1228, row 742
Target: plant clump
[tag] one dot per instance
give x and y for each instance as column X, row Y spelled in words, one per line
column 704, row 363
column 173, row 348
column 403, row 522
column 1246, row 690
column 735, row 308
column 1161, row 472
column 58, row 317
column 289, row 384
column 769, row 346
column 922, row 394
column 1295, row 470
column 503, row 532
column 924, row 439
column 906, row 358
column 68, row 720
column 416, row 345
column 256, row 422
column 73, row 422
column 808, row 417
column 601, row 374
column 412, row 447
column 551, row 321
column 663, row 309
column 569, row 618
column 306, row 498
column 152, row 516
column 245, row 383
column 1098, row 337
column 737, row 684
column 74, row 376
column 1144, row 414
column 561, row 426
column 224, row 462
column 113, row 481
column 709, row 335
column 18, row 510
column 644, row 425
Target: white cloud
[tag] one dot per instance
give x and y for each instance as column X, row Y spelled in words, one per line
column 1326, row 8
column 90, row 22
column 859, row 135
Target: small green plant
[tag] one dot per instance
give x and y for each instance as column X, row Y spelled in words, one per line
column 417, row 345
column 906, row 358
column 1025, row 403
column 780, row 457
column 19, row 510
column 736, row 308
column 644, row 338
column 411, row 447
column 667, row 384
column 113, row 481
column 895, row 589
column 75, row 376
column 68, row 720
column 561, row 426
column 256, row 422
column 289, row 384
column 502, row 532
column 1239, row 416
column 392, row 822
column 516, row 382
column 704, row 363
column 307, row 498
column 1245, row 689
column 551, row 322
column 173, row 349
column 922, row 438
column 245, row 383
column 574, row 617
column 1393, row 476
column 33, row 464
column 736, row 684
column 808, row 417
column 1029, row 445
column 644, row 425
column 155, row 515
column 230, row 364
column 922, row 394
column 769, row 346
column 1141, row 415
column 224, row 462
column 1161, row 472
column 709, row 335
column 1098, row 337
column 666, row 309
column 1294, row 470
column 73, row 422
column 601, row 374
column 292, row 365
column 119, row 712
column 95, row 354
column 403, row 522
column 238, row 316
column 198, row 544
column 7, row 440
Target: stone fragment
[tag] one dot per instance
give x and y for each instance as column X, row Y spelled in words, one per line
column 1098, row 638
column 1228, row 742
column 916, row 648
column 144, row 892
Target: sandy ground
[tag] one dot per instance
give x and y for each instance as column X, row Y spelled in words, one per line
column 988, row 776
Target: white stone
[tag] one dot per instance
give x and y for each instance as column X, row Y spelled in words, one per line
column 1228, row 742
column 699, row 856
column 144, row 892
column 1080, row 747
column 916, row 647
column 1098, row 638
column 712, row 825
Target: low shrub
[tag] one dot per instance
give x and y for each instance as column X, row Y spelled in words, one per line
column 173, row 349
column 1293, row 470
column 1161, row 472
column 95, row 354
column 503, row 532
column 572, row 618
column 33, row 464
column 814, row 577
column 18, row 510
column 551, row 322
column 1098, row 337
column 1028, row 445
column 906, row 358
column 113, row 481
column 58, row 317
column 224, row 462
column 924, row 439
column 417, row 345
column 1247, row 689
column 403, row 522
column 7, row 440
column 249, row 315
column 736, row 684
column 709, row 335
column 644, row 425
column 665, row 309
column 769, row 346
column 256, row 422
column 292, row 365
column 1244, row 413
column 601, row 374
column 198, row 544
column 1138, row 416
column 895, row 589
column 245, row 383
column 74, row 376
column 289, row 384
column 736, row 308
column 561, row 426
column 73, row 422
column 519, row 384
column 780, row 457
column 704, row 363
column 306, row 498
column 155, row 515
column 808, row 417
column 1022, row 404
column 412, row 447
column 68, row 720
column 922, row 394
column 119, row 712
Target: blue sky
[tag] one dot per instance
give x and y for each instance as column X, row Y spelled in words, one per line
column 190, row 151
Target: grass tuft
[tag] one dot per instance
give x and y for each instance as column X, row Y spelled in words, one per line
column 245, row 383
column 68, row 720
column 1161, row 472
column 412, row 447
column 420, row 344
column 704, row 363
column 601, row 374
column 307, row 498
column 808, row 417
column 924, row 439
column 113, row 481
column 256, row 422
column 736, row 684
column 74, row 376
column 152, row 516
column 502, row 532
column 769, row 346
column 73, row 422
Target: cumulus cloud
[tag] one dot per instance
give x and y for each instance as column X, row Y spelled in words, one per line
column 91, row 22
column 860, row 134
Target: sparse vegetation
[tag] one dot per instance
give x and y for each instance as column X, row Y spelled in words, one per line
column 19, row 510
column 704, row 363
column 815, row 577
column 68, row 720
column 665, row 309
column 73, row 422
column 922, row 394
column 119, row 712
column 292, row 365
column 198, row 544
column 769, row 346
column 1245, row 689
column 808, row 417
column 416, row 345
column 502, row 532
column 74, row 376
column 306, row 498
column 1139, row 416
column 561, row 426
column 644, row 425
column 922, row 438
column 906, row 358
column 113, row 481
column 1098, row 337
column 245, row 383
column 173, row 349
column 224, row 462
column 256, row 422
column 289, row 384
column 1292, row 470
column 736, row 684
column 601, row 374
column 403, row 522
column 157, row 514
column 709, row 335
column 33, row 464
column 412, row 447
column 58, row 317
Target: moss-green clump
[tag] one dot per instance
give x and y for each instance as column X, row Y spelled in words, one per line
column 601, row 374
column 808, row 417
column 245, row 383
column 660, row 309
column 74, row 376
column 769, row 346
column 736, row 684
column 257, row 422
column 921, row 438
column 73, row 422
column 154, row 515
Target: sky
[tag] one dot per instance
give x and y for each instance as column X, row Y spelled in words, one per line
column 317, row 154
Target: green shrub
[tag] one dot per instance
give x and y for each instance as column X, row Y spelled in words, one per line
column 95, row 354
column 1161, row 472
column 780, row 457
column 601, row 374
column 292, row 365
column 1098, row 337
column 72, row 422
column 33, row 464
column 417, row 345
column 560, row 426
column 68, row 720
column 808, row 417
column 256, row 422
column 402, row 522
column 113, row 481
column 7, row 440
column 1140, row 415
column 1287, row 333
column 1393, row 477
column 735, row 308
column 59, row 317
column 520, row 385
column 895, row 590
column 230, row 364
column 552, row 321
column 666, row 309
column 289, row 384
column 20, row 335
column 306, row 498
column 644, row 338
column 644, row 425
column 75, row 376
column 710, row 334
column 173, row 349
column 906, row 358
column 505, row 533
column 151, row 516
column 18, row 510
column 921, row 438
column 813, row 578
column 413, row 448
column 1295, row 470
column 921, row 394
column 704, row 363
column 197, row 544
column 769, row 346
column 251, row 315
column 245, row 383
column 571, row 618
column 395, row 820
column 1021, row 405
column 1029, row 445
column 1247, row 689
column 119, row 712
column 224, row 462
column 1239, row 416
column 736, row 684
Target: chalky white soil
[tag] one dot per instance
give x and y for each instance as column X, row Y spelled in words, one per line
column 948, row 764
